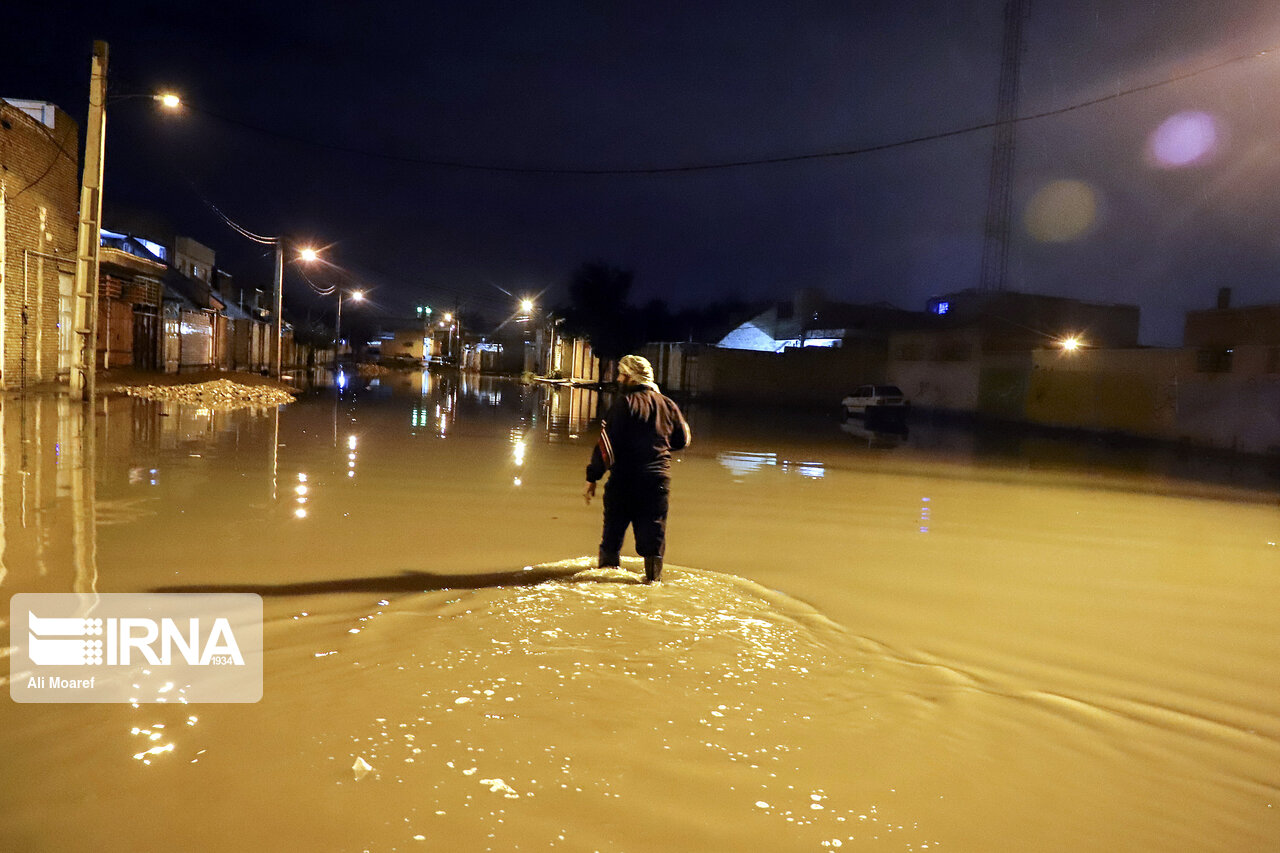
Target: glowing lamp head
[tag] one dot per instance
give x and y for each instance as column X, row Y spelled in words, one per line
column 526, row 306
column 169, row 100
column 448, row 318
column 1070, row 344
column 309, row 254
column 357, row 295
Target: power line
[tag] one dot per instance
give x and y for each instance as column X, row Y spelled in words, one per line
column 228, row 221
column 319, row 290
column 63, row 151
column 730, row 164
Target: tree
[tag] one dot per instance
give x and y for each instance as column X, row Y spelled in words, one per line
column 598, row 310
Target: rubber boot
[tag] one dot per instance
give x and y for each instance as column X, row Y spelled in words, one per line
column 609, row 560
column 652, row 569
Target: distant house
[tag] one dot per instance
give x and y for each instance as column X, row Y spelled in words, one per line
column 1234, row 340
column 131, row 273
column 809, row 320
column 978, row 351
column 778, row 327
column 164, row 305
column 193, row 259
column 1010, row 321
column 412, row 344
column 39, row 183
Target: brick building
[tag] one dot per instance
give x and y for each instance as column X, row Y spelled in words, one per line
column 39, row 183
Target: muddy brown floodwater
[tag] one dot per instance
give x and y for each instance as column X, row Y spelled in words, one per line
column 865, row 642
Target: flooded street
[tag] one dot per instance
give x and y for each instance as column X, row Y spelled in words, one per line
column 862, row 641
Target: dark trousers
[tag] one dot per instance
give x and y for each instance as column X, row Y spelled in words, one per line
column 640, row 503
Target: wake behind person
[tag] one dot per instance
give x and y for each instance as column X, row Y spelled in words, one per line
column 637, row 436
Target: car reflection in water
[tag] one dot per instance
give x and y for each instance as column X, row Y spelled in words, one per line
column 878, row 431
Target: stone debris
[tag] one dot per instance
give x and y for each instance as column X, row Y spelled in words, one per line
column 218, row 394
column 361, row 767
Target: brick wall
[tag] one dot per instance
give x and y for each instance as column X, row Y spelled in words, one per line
column 39, row 185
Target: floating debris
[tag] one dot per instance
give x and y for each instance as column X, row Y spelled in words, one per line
column 361, row 767
column 499, row 786
column 218, row 394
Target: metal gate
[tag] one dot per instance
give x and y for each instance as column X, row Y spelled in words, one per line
column 146, row 340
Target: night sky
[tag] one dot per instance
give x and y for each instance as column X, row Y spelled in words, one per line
column 330, row 122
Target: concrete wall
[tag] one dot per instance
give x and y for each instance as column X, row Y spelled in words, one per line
column 405, row 343
column 1164, row 394
column 812, row 376
column 675, row 365
column 1240, row 413
column 937, row 370
column 572, row 358
column 1160, row 393
column 39, row 185
column 1130, row 391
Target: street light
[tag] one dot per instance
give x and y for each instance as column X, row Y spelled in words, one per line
column 357, row 296
column 306, row 254
column 1070, row 344
column 448, row 319
column 531, row 336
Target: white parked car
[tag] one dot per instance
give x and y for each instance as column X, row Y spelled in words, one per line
column 881, row 399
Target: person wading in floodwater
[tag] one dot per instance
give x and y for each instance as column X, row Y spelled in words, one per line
column 637, row 436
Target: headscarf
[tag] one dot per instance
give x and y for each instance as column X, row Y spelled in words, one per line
column 637, row 367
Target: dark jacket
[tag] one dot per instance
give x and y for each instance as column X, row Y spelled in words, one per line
column 637, row 436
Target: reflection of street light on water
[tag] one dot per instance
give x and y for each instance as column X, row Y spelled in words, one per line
column 301, row 491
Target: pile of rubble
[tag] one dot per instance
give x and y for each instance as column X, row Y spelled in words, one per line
column 219, row 394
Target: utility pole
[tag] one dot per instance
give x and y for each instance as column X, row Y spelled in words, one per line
column 89, row 234
column 995, row 245
column 455, row 323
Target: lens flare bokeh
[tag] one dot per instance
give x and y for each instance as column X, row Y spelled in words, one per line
column 1183, row 139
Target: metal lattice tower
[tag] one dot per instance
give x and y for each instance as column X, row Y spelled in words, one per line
column 995, row 244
